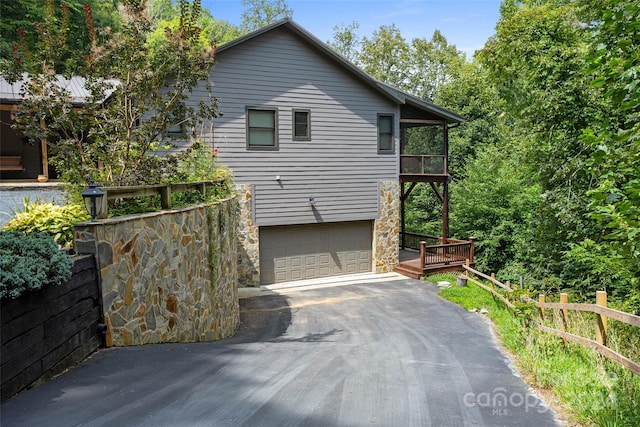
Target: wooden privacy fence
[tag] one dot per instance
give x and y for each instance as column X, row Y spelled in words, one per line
column 600, row 309
column 164, row 190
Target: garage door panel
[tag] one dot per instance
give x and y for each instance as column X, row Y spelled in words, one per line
column 314, row 250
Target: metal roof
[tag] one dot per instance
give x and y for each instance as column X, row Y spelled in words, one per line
column 10, row 92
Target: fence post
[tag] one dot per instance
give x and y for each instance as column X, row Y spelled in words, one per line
column 471, row 250
column 103, row 209
column 468, row 263
column 422, row 254
column 165, row 197
column 202, row 188
column 493, row 279
column 564, row 299
column 601, row 332
column 541, row 299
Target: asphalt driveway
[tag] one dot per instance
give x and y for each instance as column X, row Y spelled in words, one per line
column 381, row 350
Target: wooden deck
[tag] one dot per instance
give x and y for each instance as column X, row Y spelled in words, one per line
column 435, row 255
column 410, row 264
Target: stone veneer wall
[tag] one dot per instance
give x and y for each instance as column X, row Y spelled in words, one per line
column 167, row 276
column 386, row 228
column 248, row 239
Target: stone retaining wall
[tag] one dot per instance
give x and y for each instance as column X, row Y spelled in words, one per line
column 168, row 276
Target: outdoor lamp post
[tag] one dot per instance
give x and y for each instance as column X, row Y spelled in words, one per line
column 92, row 197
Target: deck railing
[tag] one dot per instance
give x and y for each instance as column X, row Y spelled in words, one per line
column 412, row 240
column 413, row 164
column 437, row 250
column 446, row 253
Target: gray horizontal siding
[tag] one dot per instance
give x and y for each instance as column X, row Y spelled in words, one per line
column 339, row 166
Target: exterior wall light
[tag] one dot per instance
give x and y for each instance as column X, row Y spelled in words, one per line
column 92, row 197
column 312, row 200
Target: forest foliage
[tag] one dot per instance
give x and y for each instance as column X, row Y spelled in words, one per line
column 546, row 168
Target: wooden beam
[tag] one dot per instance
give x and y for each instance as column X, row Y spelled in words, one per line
column 9, row 107
column 438, row 195
column 605, row 351
column 621, row 316
column 404, row 195
column 45, row 156
column 445, row 212
column 423, row 122
column 406, row 177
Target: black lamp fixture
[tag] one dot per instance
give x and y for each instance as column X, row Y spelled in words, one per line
column 92, row 197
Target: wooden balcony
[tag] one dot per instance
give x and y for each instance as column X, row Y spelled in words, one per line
column 423, row 168
column 421, row 255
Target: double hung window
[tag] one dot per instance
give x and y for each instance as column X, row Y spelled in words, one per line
column 262, row 128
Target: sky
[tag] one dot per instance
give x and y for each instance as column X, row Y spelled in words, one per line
column 466, row 23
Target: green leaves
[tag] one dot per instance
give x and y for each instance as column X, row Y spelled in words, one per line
column 50, row 218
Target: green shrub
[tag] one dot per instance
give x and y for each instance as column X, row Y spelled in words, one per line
column 196, row 163
column 54, row 220
column 30, row 262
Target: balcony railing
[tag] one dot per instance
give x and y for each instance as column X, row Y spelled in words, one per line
column 415, row 164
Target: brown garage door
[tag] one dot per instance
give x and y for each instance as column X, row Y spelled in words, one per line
column 297, row 252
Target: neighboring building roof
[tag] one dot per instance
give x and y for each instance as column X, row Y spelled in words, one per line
column 396, row 95
column 10, row 93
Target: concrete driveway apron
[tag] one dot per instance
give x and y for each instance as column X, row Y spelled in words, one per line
column 352, row 351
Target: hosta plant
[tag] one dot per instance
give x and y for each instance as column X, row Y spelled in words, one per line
column 50, row 218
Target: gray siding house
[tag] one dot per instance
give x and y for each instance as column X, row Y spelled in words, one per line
column 314, row 144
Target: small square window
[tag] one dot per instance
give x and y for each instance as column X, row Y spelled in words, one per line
column 262, row 128
column 385, row 133
column 301, row 125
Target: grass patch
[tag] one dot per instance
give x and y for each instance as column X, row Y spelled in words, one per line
column 596, row 391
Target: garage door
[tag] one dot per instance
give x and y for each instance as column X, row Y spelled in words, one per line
column 297, row 252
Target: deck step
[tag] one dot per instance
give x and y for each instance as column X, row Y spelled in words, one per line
column 408, row 271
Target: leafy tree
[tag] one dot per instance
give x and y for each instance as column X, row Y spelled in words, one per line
column 495, row 203
column 434, row 63
column 471, row 94
column 386, row 55
column 537, row 61
column 260, row 13
column 346, row 41
column 615, row 138
column 212, row 31
column 20, row 15
column 135, row 97
column 162, row 10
